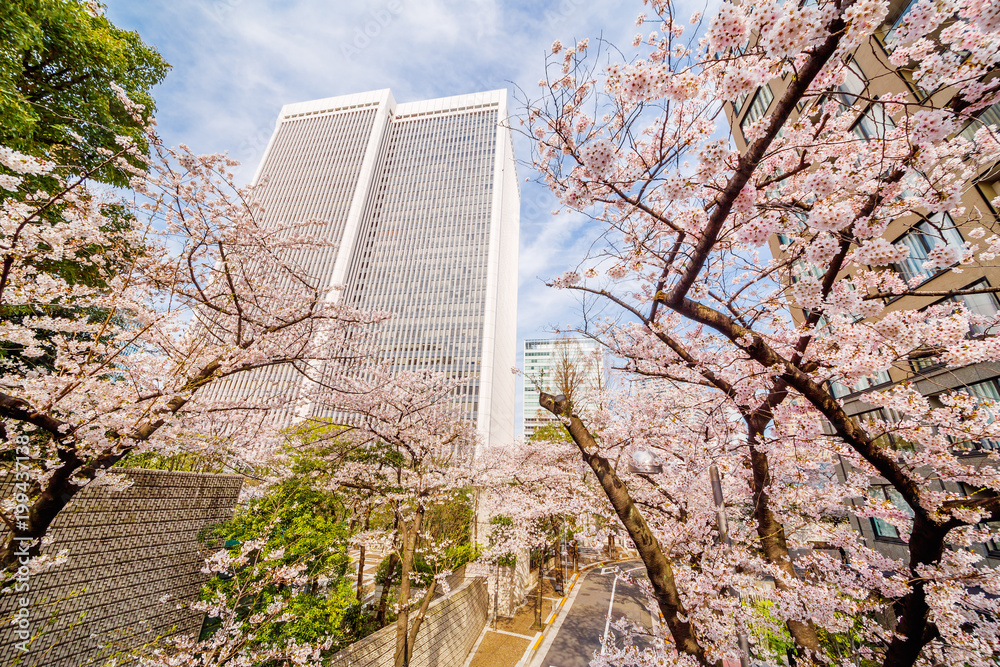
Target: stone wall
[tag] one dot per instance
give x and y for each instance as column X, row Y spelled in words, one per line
column 448, row 633
column 127, row 549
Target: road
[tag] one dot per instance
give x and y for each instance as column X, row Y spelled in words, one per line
column 579, row 636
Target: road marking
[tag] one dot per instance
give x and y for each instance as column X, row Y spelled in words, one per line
column 607, row 624
column 536, row 659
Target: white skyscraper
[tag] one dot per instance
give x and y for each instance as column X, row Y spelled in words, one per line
column 574, row 366
column 422, row 203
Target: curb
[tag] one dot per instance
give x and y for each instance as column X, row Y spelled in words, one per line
column 559, row 612
column 532, row 650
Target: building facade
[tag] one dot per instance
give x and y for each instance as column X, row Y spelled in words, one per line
column 420, row 203
column 570, row 366
column 870, row 76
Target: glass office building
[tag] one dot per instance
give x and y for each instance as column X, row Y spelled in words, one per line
column 570, row 366
column 421, row 203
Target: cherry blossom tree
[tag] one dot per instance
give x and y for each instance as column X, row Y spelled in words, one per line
column 185, row 290
column 639, row 147
column 536, row 485
column 404, row 443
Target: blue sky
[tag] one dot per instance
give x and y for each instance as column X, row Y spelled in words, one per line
column 236, row 62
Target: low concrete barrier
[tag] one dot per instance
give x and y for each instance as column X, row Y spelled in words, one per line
column 448, row 633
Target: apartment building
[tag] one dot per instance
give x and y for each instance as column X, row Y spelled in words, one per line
column 871, row 75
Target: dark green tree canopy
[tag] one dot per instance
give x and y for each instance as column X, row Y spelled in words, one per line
column 59, row 60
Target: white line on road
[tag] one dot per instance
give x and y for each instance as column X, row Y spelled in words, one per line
column 607, row 624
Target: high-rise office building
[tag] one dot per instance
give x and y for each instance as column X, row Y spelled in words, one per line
column 570, row 366
column 421, row 203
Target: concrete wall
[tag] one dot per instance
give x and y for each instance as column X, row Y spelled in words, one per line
column 506, row 585
column 127, row 549
column 450, row 629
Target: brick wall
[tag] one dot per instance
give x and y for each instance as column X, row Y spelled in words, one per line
column 450, row 629
column 127, row 549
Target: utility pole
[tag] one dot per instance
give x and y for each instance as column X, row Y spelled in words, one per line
column 538, row 598
column 723, row 525
column 496, row 594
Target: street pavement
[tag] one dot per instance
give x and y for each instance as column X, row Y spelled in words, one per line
column 578, row 637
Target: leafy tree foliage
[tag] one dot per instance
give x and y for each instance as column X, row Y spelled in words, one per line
column 59, row 68
column 297, row 525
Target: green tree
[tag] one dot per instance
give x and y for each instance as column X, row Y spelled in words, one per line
column 60, row 63
column 299, row 524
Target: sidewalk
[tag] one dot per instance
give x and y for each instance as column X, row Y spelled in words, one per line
column 513, row 640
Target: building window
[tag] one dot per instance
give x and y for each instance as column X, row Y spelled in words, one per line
column 874, row 123
column 840, row 390
column 989, row 190
column 921, row 239
column 738, row 104
column 801, row 268
column 882, row 528
column 897, row 22
column 992, row 546
column 989, row 116
column 987, row 394
column 853, row 86
column 758, row 106
column 985, row 305
column 879, row 433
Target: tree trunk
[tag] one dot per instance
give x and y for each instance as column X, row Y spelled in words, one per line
column 658, row 568
column 541, row 582
column 361, row 571
column 915, row 629
column 361, row 557
column 773, row 543
column 927, row 539
column 560, row 582
column 383, row 600
column 403, row 646
column 421, row 613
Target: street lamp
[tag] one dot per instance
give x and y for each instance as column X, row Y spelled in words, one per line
column 644, row 463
